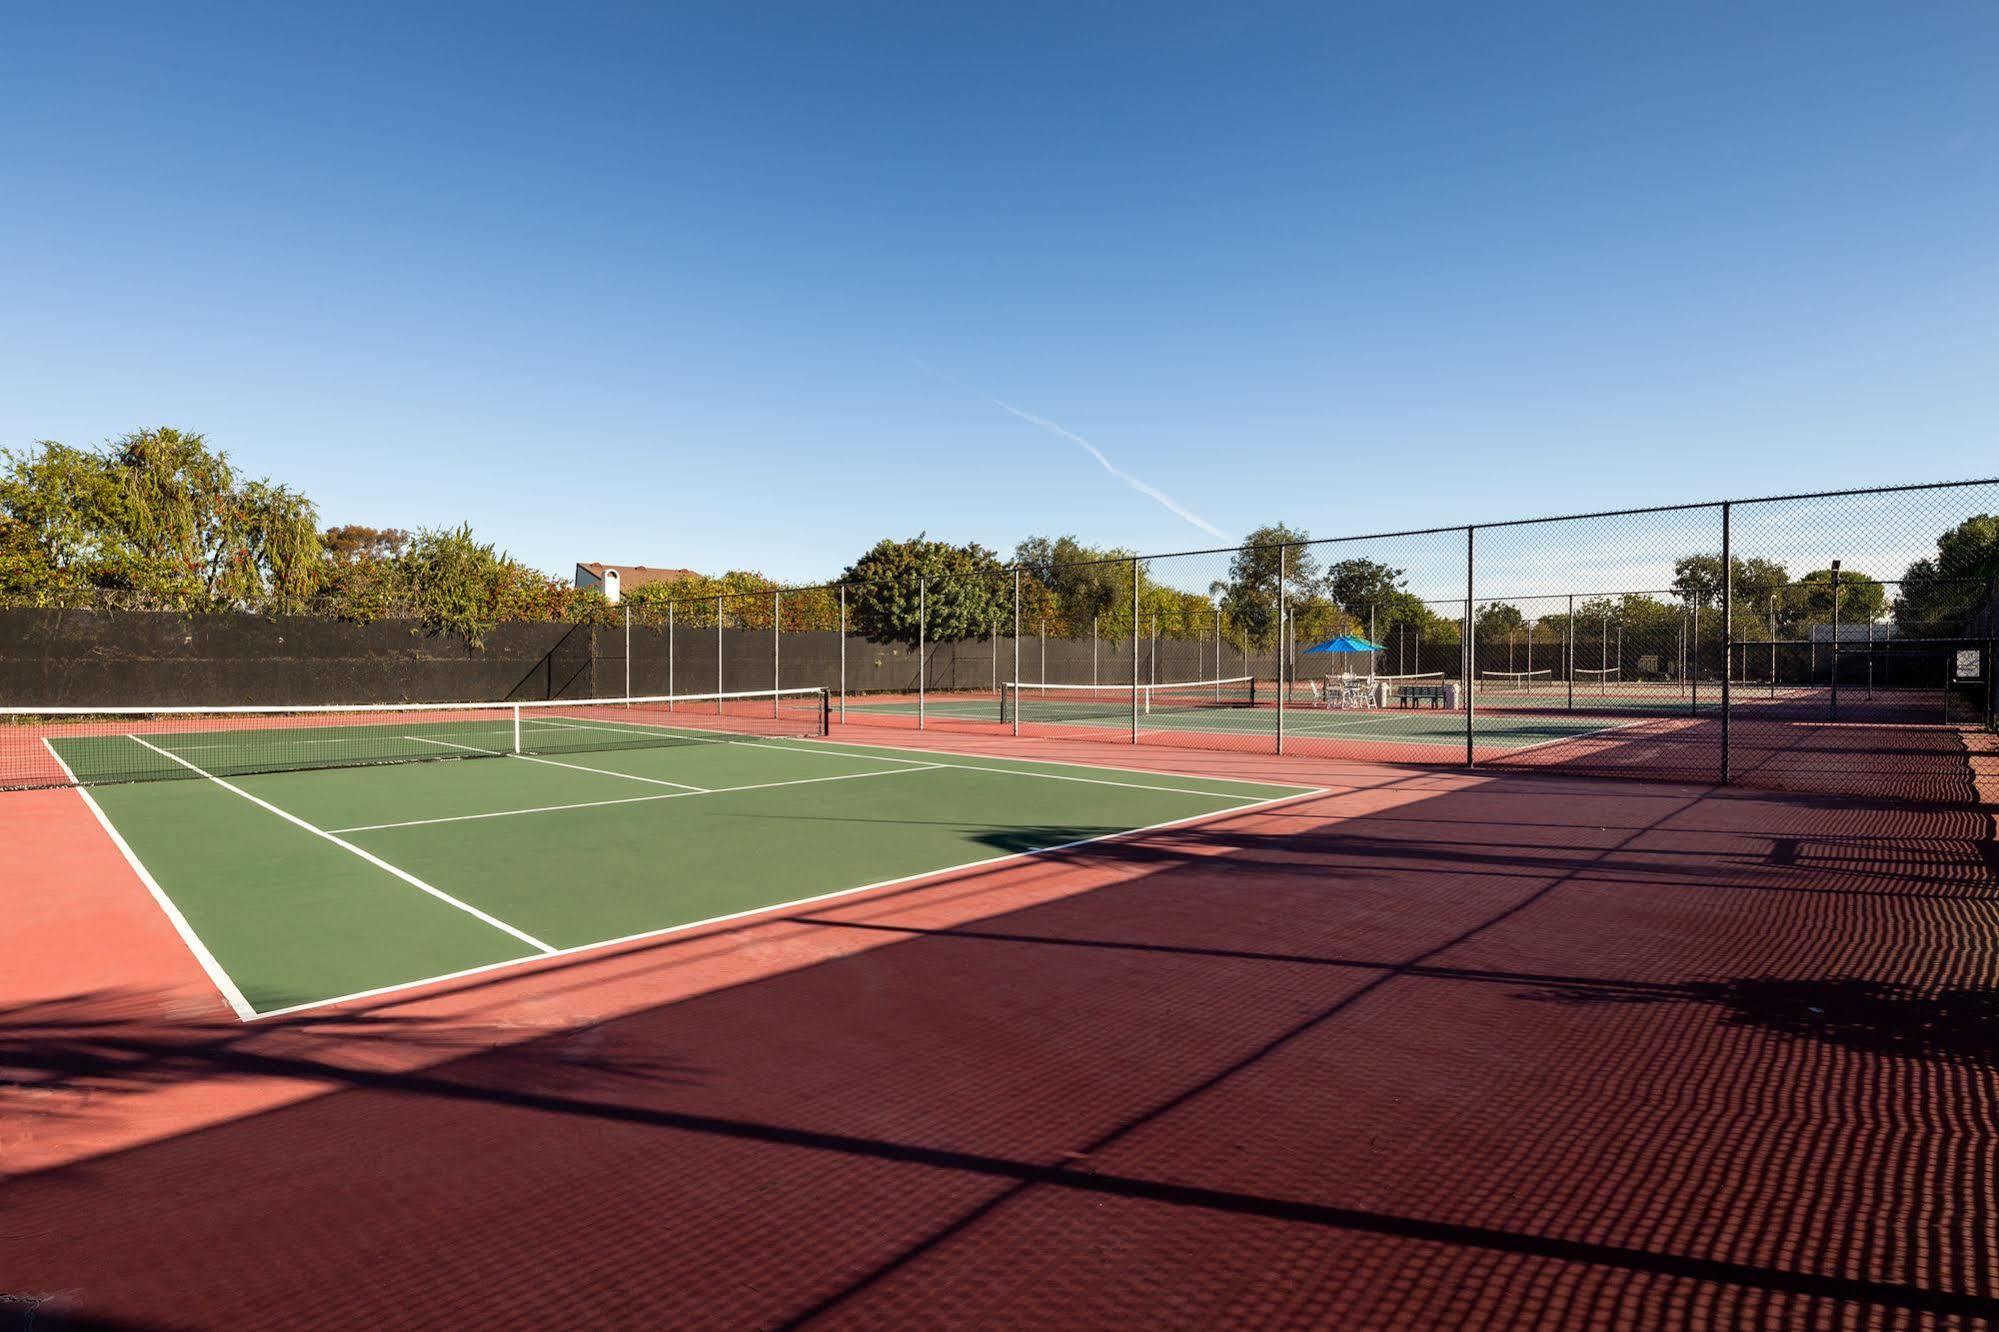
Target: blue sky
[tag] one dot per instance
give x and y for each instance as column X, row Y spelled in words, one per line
column 747, row 285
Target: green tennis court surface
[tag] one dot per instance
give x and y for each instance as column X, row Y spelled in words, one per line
column 296, row 888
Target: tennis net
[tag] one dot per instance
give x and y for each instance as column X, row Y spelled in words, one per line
column 1109, row 702
column 1516, row 681
column 82, row 746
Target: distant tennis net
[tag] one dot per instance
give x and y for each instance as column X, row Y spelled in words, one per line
column 77, row 746
column 1110, row 702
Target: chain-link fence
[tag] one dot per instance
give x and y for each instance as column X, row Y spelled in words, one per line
column 1835, row 642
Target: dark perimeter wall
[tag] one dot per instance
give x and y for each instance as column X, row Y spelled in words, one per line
column 108, row 659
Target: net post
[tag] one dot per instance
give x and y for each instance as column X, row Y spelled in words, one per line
column 1283, row 631
column 922, row 643
column 1469, row 655
column 517, row 728
column 1015, row 683
column 1727, row 636
column 1134, row 649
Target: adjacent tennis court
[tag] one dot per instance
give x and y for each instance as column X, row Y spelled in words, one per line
column 304, row 863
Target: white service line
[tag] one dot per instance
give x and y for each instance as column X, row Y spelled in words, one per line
column 374, row 860
column 216, row 975
column 536, row 758
column 631, row 800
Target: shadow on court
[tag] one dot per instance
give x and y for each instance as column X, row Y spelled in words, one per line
column 1521, row 1054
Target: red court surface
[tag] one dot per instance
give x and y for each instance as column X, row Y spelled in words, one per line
column 1434, row 1048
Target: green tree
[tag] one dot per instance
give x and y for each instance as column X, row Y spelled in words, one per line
column 1080, row 586
column 961, row 590
column 1699, row 577
column 1942, row 595
column 1249, row 597
column 1813, row 599
column 160, row 516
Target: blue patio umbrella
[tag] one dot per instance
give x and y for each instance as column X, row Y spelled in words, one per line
column 1346, row 643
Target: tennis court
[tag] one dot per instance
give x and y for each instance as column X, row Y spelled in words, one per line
column 1048, row 710
column 306, row 859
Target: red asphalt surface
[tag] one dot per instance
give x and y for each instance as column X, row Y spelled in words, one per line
column 1436, row 1048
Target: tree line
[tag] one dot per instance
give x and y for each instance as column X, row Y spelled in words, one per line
column 158, row 520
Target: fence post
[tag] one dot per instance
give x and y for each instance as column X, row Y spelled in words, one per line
column 1835, row 642
column 1093, row 654
column 718, row 654
column 628, row 649
column 1569, row 649
column 776, row 638
column 1016, row 650
column 1283, row 632
column 1991, row 671
column 1134, row 649
column 1470, row 653
column 922, row 644
column 1727, row 636
column 1694, row 656
column 843, row 653
column 669, row 656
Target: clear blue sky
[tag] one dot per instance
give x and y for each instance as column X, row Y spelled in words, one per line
column 737, row 285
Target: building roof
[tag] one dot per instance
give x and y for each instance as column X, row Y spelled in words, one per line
column 633, row 575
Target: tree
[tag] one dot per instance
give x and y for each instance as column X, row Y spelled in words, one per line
column 1813, row 600
column 1942, row 595
column 1249, row 597
column 161, row 516
column 959, row 588
column 1699, row 577
column 1085, row 587
column 352, row 543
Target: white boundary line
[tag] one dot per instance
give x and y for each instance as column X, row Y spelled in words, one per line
column 577, row 949
column 635, row 800
column 217, row 977
column 372, row 859
column 536, row 758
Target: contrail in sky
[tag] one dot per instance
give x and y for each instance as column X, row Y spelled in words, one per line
column 1144, row 488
